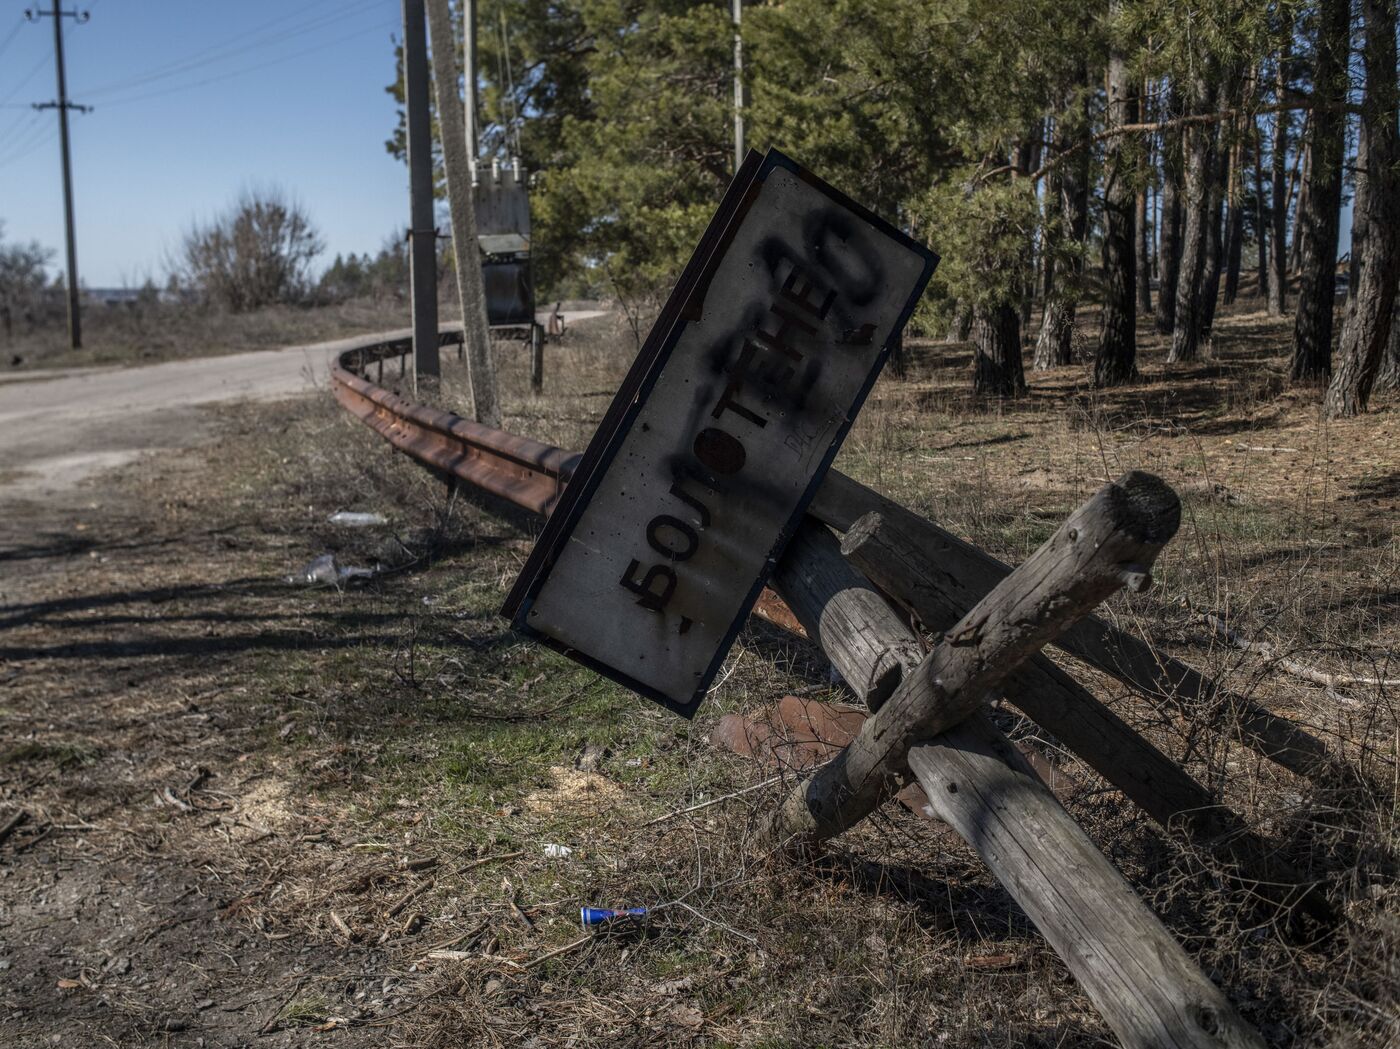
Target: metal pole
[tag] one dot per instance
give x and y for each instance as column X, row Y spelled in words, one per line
column 75, row 323
column 422, row 234
column 738, row 9
column 469, row 64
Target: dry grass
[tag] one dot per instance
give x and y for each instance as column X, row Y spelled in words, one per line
column 393, row 760
column 149, row 332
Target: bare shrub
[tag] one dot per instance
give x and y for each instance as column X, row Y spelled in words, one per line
column 258, row 253
column 22, row 280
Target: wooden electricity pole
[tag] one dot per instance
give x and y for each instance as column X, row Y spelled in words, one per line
column 459, row 160
column 75, row 326
column 738, row 10
column 422, row 234
column 469, row 66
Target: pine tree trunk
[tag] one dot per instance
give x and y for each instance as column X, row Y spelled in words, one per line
column 1360, row 213
column 1278, row 171
column 1028, row 161
column 1199, row 160
column 1298, row 190
column 1046, row 341
column 1144, row 260
column 1054, row 346
column 1368, row 330
column 1388, row 374
column 1169, row 232
column 1319, row 211
column 1117, row 359
column 996, row 338
column 1234, row 221
column 1141, row 222
column 1215, row 241
column 1260, row 222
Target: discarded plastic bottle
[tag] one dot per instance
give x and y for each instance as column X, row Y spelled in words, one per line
column 354, row 519
column 591, row 916
column 325, row 570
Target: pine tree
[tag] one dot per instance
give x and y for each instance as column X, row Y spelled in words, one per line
column 1116, row 362
column 1367, row 331
column 1319, row 211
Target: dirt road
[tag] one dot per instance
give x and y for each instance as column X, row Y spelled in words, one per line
column 61, row 426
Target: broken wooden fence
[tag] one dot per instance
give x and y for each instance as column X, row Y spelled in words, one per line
column 929, row 721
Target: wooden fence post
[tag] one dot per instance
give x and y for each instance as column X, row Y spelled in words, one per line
column 1144, row 984
column 1148, row 989
column 970, row 573
column 1107, row 543
column 851, row 621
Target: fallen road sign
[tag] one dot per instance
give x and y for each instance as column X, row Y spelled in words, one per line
column 721, row 432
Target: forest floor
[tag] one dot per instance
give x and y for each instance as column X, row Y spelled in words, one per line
column 258, row 813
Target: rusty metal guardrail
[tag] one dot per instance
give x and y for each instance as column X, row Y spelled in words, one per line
column 527, row 473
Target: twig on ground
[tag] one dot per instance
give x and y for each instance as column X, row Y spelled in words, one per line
column 271, row 1025
column 557, row 951
column 488, row 859
column 713, row 801
column 12, row 823
column 408, row 897
column 1292, row 666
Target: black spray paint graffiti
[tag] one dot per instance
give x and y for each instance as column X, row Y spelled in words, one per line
column 771, row 372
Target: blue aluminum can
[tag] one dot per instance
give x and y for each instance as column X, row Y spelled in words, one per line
column 593, row 916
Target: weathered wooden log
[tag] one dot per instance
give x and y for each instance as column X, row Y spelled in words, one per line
column 971, row 573
column 888, row 551
column 1008, row 815
column 1145, row 985
column 1109, row 542
column 845, row 615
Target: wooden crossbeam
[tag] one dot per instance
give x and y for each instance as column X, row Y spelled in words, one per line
column 887, row 550
column 1145, row 985
column 970, row 573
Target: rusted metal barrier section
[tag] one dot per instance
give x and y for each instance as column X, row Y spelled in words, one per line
column 527, row 473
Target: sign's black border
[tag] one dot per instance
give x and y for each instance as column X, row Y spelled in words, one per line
column 635, row 388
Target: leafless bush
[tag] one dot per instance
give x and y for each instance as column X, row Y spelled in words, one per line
column 22, row 280
column 258, row 253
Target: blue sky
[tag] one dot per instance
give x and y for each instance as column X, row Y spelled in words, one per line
column 194, row 100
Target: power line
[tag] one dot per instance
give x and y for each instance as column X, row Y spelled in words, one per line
column 44, row 59
column 223, row 51
column 13, row 33
column 43, row 140
column 21, row 141
column 232, row 74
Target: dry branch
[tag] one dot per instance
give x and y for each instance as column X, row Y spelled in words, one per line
column 1292, row 666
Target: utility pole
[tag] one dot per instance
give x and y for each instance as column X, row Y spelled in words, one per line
column 459, row 164
column 422, row 234
column 469, row 65
column 75, row 326
column 738, row 10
